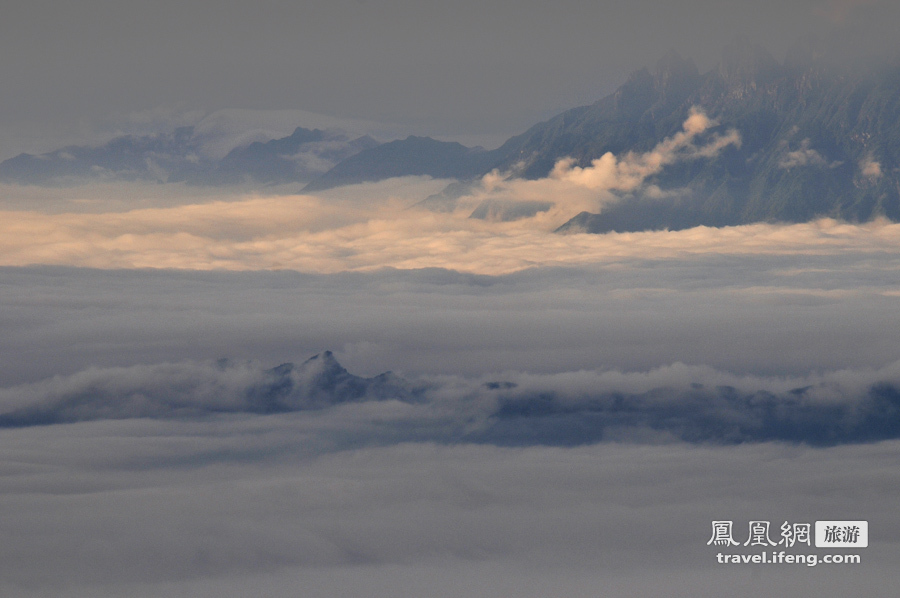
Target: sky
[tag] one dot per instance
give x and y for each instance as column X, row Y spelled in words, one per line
column 477, row 72
column 565, row 414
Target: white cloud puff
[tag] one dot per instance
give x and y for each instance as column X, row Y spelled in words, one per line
column 805, row 156
column 628, row 173
column 870, row 168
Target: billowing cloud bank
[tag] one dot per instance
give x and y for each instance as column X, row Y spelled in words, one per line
column 314, row 235
column 676, row 402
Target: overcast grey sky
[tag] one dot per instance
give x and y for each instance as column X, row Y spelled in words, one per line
column 469, row 70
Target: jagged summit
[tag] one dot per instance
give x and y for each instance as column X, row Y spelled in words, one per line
column 745, row 67
column 317, row 383
column 324, row 366
column 674, row 77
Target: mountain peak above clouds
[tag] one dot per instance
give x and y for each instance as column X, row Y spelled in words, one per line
column 318, row 382
column 745, row 66
column 806, row 141
column 413, row 156
column 126, row 157
column 693, row 404
column 815, row 142
column 180, row 156
column 674, row 76
column 196, row 389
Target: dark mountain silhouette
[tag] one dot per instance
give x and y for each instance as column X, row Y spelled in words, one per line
column 302, row 156
column 317, row 383
column 179, row 157
column 129, row 157
column 499, row 411
column 816, row 142
column 413, row 156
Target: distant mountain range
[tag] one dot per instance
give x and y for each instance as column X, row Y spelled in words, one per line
column 413, row 156
column 440, row 410
column 317, row 383
column 815, row 142
column 179, row 157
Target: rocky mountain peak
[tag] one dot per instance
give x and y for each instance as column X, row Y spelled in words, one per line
column 324, row 365
column 637, row 94
column 675, row 77
column 746, row 66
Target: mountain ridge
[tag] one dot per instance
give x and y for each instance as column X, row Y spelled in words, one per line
column 816, row 142
column 413, row 156
column 180, row 157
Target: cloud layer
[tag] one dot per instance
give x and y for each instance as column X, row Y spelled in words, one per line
column 379, row 228
column 696, row 404
column 239, row 505
column 769, row 313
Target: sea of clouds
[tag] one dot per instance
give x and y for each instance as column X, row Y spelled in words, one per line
column 566, row 414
